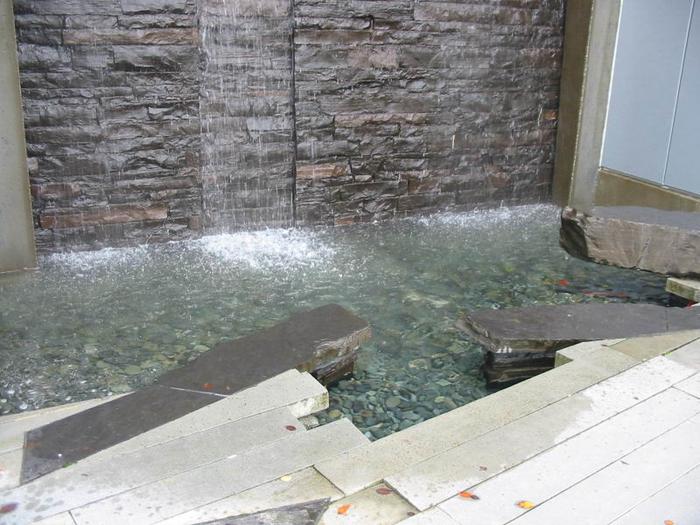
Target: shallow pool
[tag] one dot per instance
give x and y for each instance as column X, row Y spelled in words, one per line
column 92, row 323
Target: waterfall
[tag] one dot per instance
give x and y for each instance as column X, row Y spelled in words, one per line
column 246, row 107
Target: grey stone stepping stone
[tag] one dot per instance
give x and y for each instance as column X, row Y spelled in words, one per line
column 301, row 514
column 687, row 288
column 666, row 242
column 70, row 439
column 323, row 341
column 521, row 342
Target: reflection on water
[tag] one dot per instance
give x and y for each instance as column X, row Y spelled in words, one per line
column 109, row 321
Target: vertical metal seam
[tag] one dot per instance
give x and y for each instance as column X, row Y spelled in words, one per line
column 678, row 92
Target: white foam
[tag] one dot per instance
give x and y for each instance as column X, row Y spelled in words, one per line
column 104, row 258
column 488, row 218
column 267, row 248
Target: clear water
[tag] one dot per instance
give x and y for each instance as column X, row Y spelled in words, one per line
column 92, row 323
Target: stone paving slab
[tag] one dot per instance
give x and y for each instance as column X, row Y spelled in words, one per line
column 377, row 505
column 678, row 502
column 689, row 355
column 547, row 327
column 307, row 513
column 433, row 516
column 690, row 386
column 643, row 348
column 298, row 392
column 645, row 472
column 13, row 426
column 178, row 494
column 75, row 437
column 686, row 288
column 323, row 340
column 90, row 481
column 666, row 242
column 572, row 461
column 443, row 476
column 357, row 469
column 291, row 489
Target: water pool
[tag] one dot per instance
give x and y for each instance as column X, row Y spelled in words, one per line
column 94, row 323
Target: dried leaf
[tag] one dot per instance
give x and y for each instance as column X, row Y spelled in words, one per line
column 6, row 508
column 343, row 509
column 524, row 504
column 468, row 495
column 384, row 491
column 291, row 428
column 563, row 282
column 483, row 468
column 207, row 386
column 669, row 522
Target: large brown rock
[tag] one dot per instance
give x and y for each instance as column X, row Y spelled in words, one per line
column 666, row 242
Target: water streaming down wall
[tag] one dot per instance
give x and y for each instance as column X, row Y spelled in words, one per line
column 246, row 114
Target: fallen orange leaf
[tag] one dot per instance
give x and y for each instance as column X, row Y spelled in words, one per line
column 343, row 509
column 669, row 522
column 207, row 386
column 524, row 504
column 468, row 495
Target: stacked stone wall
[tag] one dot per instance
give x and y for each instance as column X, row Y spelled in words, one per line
column 337, row 111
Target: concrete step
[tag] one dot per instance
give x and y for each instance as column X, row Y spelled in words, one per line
column 377, row 505
column 357, row 469
column 297, row 391
column 678, row 502
column 686, row 288
column 572, row 461
column 443, row 476
column 183, row 492
column 94, row 480
column 299, row 487
column 602, row 498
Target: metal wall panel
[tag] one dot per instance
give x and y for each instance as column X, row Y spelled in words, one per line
column 646, row 75
column 683, row 170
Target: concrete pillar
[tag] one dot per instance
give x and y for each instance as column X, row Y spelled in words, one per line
column 589, row 47
column 17, row 250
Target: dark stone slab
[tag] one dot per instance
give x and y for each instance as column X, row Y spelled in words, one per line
column 521, row 342
column 666, row 242
column 308, row 513
column 322, row 341
column 70, row 439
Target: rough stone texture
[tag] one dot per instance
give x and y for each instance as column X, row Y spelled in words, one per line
column 521, row 342
column 232, row 114
column 686, row 288
column 111, row 108
column 407, row 106
column 666, row 242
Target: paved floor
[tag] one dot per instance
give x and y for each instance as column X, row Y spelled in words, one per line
column 610, row 436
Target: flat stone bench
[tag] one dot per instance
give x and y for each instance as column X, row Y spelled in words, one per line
column 521, row 342
column 322, row 341
column 665, row 242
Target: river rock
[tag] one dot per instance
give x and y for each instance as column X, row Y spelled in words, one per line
column 665, row 242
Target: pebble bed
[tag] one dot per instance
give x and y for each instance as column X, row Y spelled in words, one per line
column 94, row 323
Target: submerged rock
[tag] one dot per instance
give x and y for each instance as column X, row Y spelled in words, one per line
column 666, row 242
